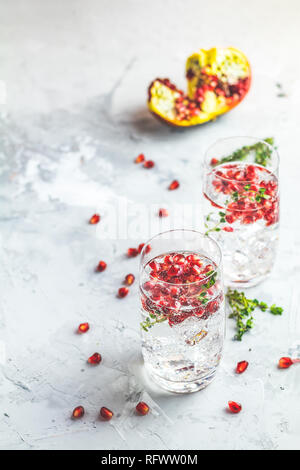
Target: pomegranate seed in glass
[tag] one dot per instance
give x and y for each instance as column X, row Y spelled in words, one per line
column 241, row 206
column 182, row 310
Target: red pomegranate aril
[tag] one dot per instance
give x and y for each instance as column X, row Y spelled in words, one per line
column 94, row 219
column 142, row 408
column 154, row 265
column 149, row 164
column 95, row 359
column 123, row 291
column 78, row 412
column 140, row 247
column 285, row 362
column 195, row 269
column 132, row 252
column 230, row 218
column 129, row 279
column 101, row 266
column 228, row 229
column 83, row 327
column 174, row 270
column 214, row 161
column 234, row 407
column 148, row 286
column 106, row 414
column 168, row 259
column 163, row 213
column 174, row 291
column 179, row 259
column 174, row 185
column 140, row 158
column 148, row 249
column 241, row 367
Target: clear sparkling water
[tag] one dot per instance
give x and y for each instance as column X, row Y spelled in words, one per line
column 183, row 354
column 188, row 351
column 248, row 252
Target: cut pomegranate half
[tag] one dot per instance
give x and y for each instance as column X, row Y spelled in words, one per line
column 218, row 80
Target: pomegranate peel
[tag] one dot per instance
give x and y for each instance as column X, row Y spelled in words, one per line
column 218, row 80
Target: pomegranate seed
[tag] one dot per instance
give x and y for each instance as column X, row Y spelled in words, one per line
column 163, row 213
column 285, row 362
column 174, row 185
column 234, row 407
column 101, row 266
column 106, row 414
column 142, row 408
column 228, row 229
column 140, row 247
column 132, row 252
column 140, row 158
column 129, row 279
column 95, row 219
column 168, row 259
column 195, row 269
column 78, row 412
column 241, row 367
column 83, row 327
column 179, row 259
column 214, row 161
column 174, row 270
column 154, row 265
column 95, row 358
column 123, row 291
column 149, row 164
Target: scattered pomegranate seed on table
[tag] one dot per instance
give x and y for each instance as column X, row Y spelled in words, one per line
column 94, row 219
column 106, row 414
column 78, row 412
column 163, row 213
column 101, row 266
column 132, row 252
column 149, row 164
column 241, row 367
column 140, row 158
column 95, row 358
column 83, row 327
column 214, row 161
column 286, row 362
column 174, row 185
column 234, row 407
column 123, row 291
column 228, row 229
column 140, row 247
column 142, row 408
column 129, row 279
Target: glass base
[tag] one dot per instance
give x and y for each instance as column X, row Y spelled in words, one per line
column 247, row 283
column 181, row 387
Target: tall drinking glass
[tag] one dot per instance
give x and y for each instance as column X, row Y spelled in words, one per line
column 241, row 206
column 182, row 309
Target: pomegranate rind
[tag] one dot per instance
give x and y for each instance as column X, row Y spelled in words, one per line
column 229, row 65
column 161, row 102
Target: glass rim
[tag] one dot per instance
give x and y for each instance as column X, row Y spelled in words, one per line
column 256, row 139
column 159, row 281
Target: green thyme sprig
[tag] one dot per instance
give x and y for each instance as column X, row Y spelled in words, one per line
column 242, row 311
column 215, row 228
column 145, row 325
column 263, row 153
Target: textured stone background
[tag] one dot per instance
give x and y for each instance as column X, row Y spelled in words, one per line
column 73, row 118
